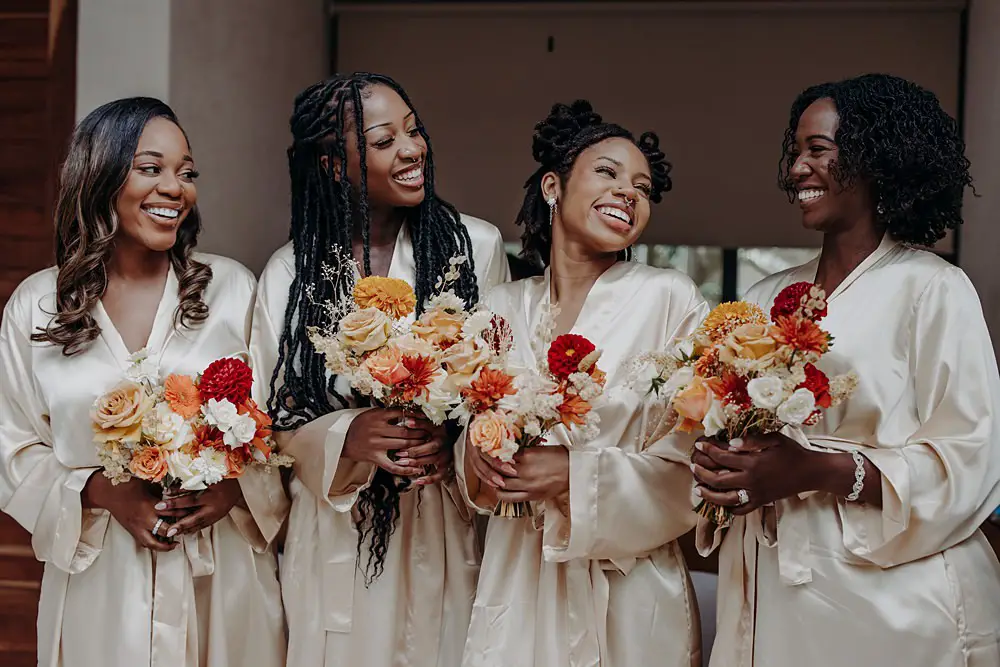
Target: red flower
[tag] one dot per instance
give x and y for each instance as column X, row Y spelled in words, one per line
column 732, row 389
column 228, row 379
column 566, row 353
column 499, row 337
column 818, row 384
column 422, row 371
column 790, row 301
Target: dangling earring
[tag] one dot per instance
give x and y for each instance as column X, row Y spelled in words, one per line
column 552, row 210
column 880, row 208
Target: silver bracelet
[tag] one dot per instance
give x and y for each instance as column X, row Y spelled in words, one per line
column 859, row 477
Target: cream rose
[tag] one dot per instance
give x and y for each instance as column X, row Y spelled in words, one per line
column 149, row 464
column 118, row 414
column 798, row 407
column 463, row 361
column 491, row 433
column 365, row 330
column 438, row 326
column 386, row 366
column 414, row 347
column 752, row 343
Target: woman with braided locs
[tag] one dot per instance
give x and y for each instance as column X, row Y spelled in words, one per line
column 874, row 513
column 595, row 576
column 376, row 571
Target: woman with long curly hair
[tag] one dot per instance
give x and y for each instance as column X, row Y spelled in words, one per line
column 199, row 587
column 595, row 576
column 380, row 561
column 857, row 541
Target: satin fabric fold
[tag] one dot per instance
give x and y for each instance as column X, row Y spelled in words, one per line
column 817, row 580
column 596, row 578
column 214, row 599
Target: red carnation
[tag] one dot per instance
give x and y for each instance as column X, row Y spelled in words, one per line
column 818, row 384
column 566, row 353
column 789, row 300
column 228, row 379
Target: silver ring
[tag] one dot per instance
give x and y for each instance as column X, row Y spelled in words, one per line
column 744, row 496
column 156, row 527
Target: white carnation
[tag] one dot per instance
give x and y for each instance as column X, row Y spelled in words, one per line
column 209, row 467
column 798, row 407
column 142, row 369
column 766, row 392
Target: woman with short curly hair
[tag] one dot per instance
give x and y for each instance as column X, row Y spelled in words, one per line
column 595, row 576
column 857, row 541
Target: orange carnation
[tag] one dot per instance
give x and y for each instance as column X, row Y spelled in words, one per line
column 801, row 334
column 486, row 390
column 182, row 395
column 392, row 296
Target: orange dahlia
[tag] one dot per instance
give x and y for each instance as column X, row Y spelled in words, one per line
column 801, row 334
column 392, row 296
column 573, row 410
column 486, row 390
column 725, row 317
column 182, row 395
column 422, row 370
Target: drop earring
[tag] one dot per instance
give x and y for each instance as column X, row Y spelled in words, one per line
column 552, row 210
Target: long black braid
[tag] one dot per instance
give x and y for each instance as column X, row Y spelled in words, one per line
column 324, row 213
column 559, row 139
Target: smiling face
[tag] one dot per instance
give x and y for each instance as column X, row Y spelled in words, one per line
column 395, row 151
column 159, row 192
column 603, row 205
column 826, row 205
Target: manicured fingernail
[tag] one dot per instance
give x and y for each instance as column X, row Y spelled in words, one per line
column 160, row 506
column 697, row 491
column 403, row 454
column 403, row 462
column 700, row 446
column 510, row 470
column 499, row 482
column 171, row 532
column 735, row 443
column 409, row 423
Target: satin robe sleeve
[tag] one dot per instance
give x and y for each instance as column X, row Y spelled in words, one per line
column 942, row 483
column 623, row 504
column 318, row 445
column 38, row 491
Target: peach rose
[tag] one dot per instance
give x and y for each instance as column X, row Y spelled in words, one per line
column 365, row 330
column 692, row 403
column 386, row 366
column 118, row 414
column 752, row 343
column 412, row 346
column 236, row 461
column 463, row 361
column 438, row 326
column 149, row 464
column 492, row 434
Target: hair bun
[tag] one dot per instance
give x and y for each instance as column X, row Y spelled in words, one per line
column 564, row 122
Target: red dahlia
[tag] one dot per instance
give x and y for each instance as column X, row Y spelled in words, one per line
column 818, row 384
column 228, row 379
column 566, row 353
column 789, row 300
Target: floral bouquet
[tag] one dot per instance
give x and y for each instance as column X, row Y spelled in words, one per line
column 740, row 374
column 372, row 343
column 185, row 433
column 513, row 409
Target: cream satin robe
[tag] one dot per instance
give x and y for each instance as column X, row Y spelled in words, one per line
column 602, row 581
column 822, row 582
column 105, row 601
column 416, row 614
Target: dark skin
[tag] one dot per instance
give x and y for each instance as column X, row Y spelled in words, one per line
column 773, row 467
column 162, row 177
column 395, row 154
column 586, row 242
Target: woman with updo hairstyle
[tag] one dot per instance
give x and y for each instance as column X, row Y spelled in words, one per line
column 132, row 578
column 857, row 541
column 594, row 576
column 381, row 559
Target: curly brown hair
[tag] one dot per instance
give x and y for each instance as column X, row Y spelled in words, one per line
column 86, row 220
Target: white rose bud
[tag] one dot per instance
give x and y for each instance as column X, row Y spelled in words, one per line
column 766, row 392
column 798, row 407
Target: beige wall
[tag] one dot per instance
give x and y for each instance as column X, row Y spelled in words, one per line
column 716, row 83
column 230, row 69
column 980, row 236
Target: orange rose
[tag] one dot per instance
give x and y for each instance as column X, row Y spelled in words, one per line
column 491, row 433
column 693, row 403
column 118, row 414
column 386, row 366
column 439, row 327
column 236, row 461
column 149, row 464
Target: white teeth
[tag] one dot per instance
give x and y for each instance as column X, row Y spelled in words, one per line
column 615, row 213
column 411, row 175
column 164, row 212
column 806, row 195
